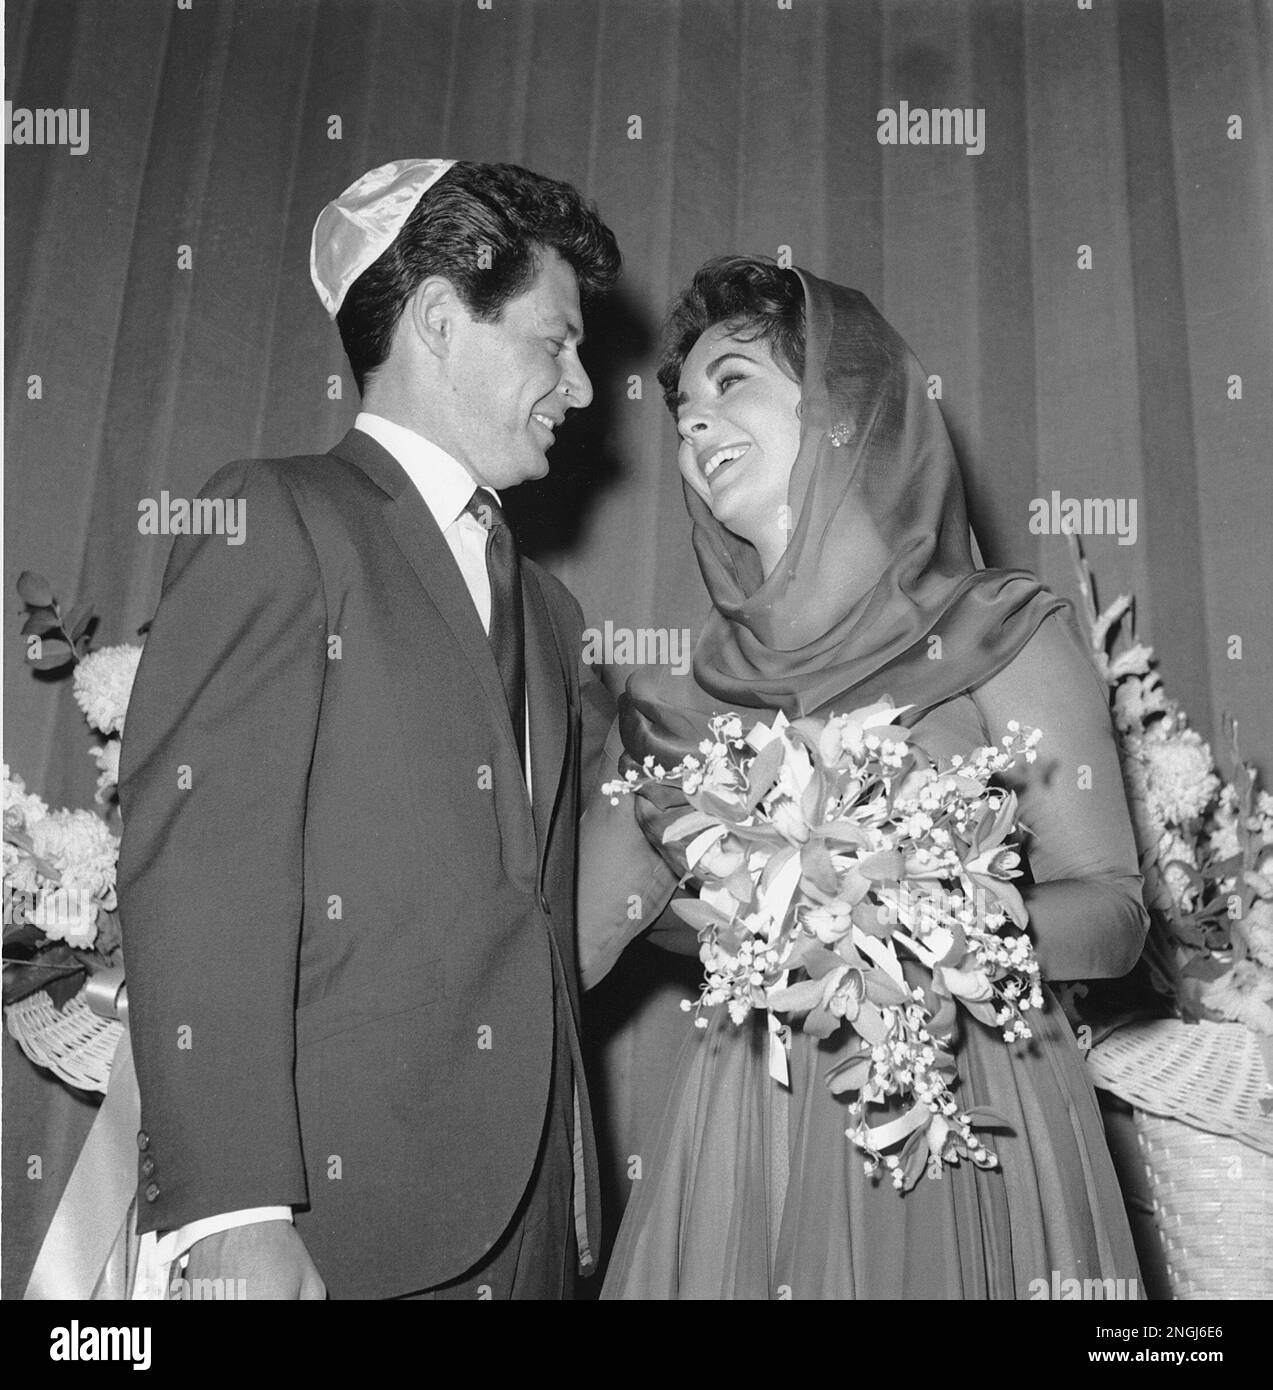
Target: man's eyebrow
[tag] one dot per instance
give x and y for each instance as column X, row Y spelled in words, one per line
column 571, row 328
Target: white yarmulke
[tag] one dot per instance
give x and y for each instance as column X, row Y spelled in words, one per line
column 357, row 227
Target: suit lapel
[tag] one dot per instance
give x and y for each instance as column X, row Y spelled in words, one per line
column 546, row 694
column 418, row 537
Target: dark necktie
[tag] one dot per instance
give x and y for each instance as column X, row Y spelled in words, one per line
column 507, row 636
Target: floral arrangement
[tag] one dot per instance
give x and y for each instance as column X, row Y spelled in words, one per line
column 60, row 918
column 846, row 880
column 1206, row 845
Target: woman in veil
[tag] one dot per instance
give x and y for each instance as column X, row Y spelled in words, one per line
column 830, row 527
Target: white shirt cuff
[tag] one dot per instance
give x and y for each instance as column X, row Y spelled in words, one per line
column 159, row 1252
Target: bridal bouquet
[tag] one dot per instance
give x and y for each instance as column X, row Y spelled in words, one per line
column 847, row 881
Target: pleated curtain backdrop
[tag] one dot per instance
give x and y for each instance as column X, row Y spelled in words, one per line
column 160, row 320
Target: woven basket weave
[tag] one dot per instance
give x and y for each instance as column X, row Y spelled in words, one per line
column 1209, row 1075
column 1213, row 1206
column 1207, row 1148
column 74, row 1043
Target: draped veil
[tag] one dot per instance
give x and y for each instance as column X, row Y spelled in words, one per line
column 878, row 592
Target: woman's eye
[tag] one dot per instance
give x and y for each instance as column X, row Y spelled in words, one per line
column 723, row 382
column 555, row 346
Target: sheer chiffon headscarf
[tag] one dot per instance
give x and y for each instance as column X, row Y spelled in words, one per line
column 878, row 592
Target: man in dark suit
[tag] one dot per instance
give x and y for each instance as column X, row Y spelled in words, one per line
column 350, row 789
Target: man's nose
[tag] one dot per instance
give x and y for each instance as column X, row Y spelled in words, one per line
column 575, row 385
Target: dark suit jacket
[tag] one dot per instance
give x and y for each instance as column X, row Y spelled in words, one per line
column 345, row 922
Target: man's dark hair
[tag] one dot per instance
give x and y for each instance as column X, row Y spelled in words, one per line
column 484, row 227
column 750, row 296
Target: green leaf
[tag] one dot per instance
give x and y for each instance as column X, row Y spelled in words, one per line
column 849, row 1076
column 763, row 772
column 1012, row 901
column 813, row 957
column 884, row 866
column 53, row 653
column 883, row 990
column 689, row 824
column 80, row 620
column 23, row 979
column 41, row 620
column 815, row 863
column 700, row 915
column 797, row 998
column 843, row 832
column 983, row 1117
column 813, row 799
column 914, row 1157
column 34, row 589
column 820, row 1023
column 740, row 886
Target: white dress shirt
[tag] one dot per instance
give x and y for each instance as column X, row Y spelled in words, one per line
column 446, row 487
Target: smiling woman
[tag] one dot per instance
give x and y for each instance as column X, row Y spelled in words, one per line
column 831, row 531
column 730, row 373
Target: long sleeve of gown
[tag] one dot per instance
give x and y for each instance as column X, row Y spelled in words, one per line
column 624, row 883
column 1087, row 916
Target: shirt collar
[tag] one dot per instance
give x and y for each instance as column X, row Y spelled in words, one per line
column 444, row 483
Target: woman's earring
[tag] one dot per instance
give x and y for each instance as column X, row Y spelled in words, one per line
column 841, row 433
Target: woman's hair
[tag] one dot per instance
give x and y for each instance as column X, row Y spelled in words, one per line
column 484, row 227
column 752, row 297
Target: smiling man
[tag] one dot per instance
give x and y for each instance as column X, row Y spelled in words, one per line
column 349, row 787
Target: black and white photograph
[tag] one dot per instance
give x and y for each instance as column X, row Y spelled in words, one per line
column 637, row 660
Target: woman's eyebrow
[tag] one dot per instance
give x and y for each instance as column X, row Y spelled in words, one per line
column 681, row 397
column 715, row 363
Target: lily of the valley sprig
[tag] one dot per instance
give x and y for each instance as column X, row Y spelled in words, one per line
column 846, row 880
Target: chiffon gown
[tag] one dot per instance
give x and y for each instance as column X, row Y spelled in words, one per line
column 751, row 1192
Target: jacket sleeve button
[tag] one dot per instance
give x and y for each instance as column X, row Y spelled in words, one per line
column 143, row 1140
column 152, row 1191
column 147, row 1165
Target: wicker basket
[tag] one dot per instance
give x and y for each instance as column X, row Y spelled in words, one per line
column 74, row 1043
column 1213, row 1206
column 1206, row 1146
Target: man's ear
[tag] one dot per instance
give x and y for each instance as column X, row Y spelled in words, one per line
column 433, row 312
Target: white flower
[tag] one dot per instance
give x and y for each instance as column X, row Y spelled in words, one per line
column 1222, row 833
column 20, row 873
column 107, row 759
column 1136, row 699
column 103, row 682
column 1171, row 771
column 788, row 820
column 82, row 849
column 1173, row 850
column 1244, row 995
column 1257, row 928
column 21, row 807
column 70, row 915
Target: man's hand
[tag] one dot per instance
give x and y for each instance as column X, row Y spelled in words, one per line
column 268, row 1256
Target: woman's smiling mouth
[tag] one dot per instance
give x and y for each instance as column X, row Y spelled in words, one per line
column 714, row 462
